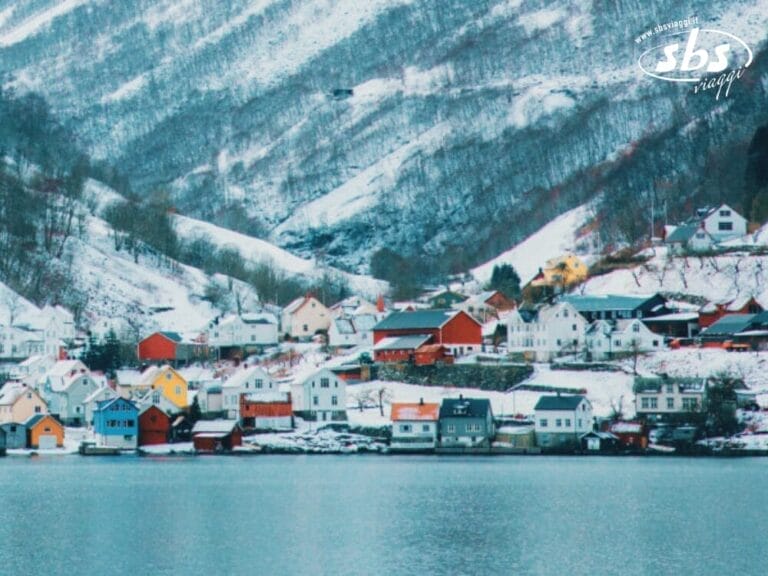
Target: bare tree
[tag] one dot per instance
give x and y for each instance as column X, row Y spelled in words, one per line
column 12, row 301
column 363, row 398
column 383, row 394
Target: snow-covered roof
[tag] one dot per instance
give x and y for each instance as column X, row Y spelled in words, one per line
column 214, row 426
column 268, row 397
column 239, row 378
column 11, row 391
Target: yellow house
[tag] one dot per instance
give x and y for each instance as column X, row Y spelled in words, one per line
column 170, row 383
column 562, row 272
column 19, row 402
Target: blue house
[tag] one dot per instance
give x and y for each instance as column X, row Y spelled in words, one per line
column 116, row 423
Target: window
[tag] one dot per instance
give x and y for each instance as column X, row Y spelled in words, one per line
column 558, row 423
column 473, row 428
column 725, row 226
column 725, row 212
column 130, row 423
column 334, row 400
column 543, row 422
column 426, row 428
column 567, row 422
column 573, row 327
column 405, row 427
column 668, row 388
column 617, row 342
column 565, row 313
column 325, row 383
column 644, row 403
column 168, row 375
column 305, row 328
column 37, row 410
column 259, row 383
column 670, row 403
column 579, row 422
column 690, row 404
column 655, row 343
column 636, row 327
column 178, row 389
column 450, row 428
column 654, row 403
column 315, row 400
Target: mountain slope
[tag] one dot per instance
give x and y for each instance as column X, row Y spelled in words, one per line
column 449, row 129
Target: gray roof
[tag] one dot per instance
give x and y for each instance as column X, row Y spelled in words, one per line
column 410, row 342
column 417, row 319
column 606, row 302
column 729, row 324
column 558, row 402
column 682, row 233
column 465, row 407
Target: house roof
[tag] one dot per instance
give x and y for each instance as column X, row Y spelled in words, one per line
column 239, row 378
column 464, row 407
column 682, row 233
column 175, row 336
column 414, row 411
column 559, row 402
column 410, row 342
column 268, row 397
column 214, row 426
column 32, row 421
column 730, row 324
column 418, row 320
column 11, row 392
column 109, row 402
column 606, row 302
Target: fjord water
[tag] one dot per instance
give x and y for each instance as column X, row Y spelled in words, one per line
column 382, row 515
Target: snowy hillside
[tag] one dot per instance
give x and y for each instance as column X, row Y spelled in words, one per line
column 555, row 239
column 434, row 127
column 720, row 278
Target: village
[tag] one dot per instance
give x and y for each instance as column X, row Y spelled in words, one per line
column 463, row 369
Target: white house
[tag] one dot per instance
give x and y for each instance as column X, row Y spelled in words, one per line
column 91, row 401
column 352, row 331
column 21, row 342
column 244, row 330
column 606, row 338
column 723, row 223
column 414, row 426
column 322, row 397
column 305, row 316
column 546, row 333
column 560, row 421
column 32, row 369
column 247, row 379
column 209, row 398
column 65, row 387
column 353, row 306
column 55, row 324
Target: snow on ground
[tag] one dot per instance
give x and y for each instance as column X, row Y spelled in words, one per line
column 602, row 388
column 119, row 287
column 14, row 34
column 722, row 278
column 558, row 237
column 178, row 448
column 260, row 251
column 72, row 439
column 751, row 366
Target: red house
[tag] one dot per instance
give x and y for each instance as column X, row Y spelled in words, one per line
column 216, row 435
column 154, row 427
column 456, row 330
column 631, row 435
column 713, row 311
column 266, row 411
column 169, row 347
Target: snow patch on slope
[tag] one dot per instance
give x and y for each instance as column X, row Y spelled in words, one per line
column 36, row 22
column 555, row 239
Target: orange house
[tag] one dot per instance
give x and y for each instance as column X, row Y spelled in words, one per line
column 44, row 432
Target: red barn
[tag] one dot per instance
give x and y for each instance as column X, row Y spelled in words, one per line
column 631, row 435
column 456, row 330
column 216, row 435
column 713, row 311
column 266, row 410
column 169, row 347
column 154, row 427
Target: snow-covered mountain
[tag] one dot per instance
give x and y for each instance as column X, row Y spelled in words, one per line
column 440, row 127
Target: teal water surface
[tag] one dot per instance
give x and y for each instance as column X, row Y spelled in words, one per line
column 382, row 515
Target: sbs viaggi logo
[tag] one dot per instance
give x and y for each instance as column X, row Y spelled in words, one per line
column 682, row 51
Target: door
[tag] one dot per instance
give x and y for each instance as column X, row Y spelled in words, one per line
column 47, row 442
